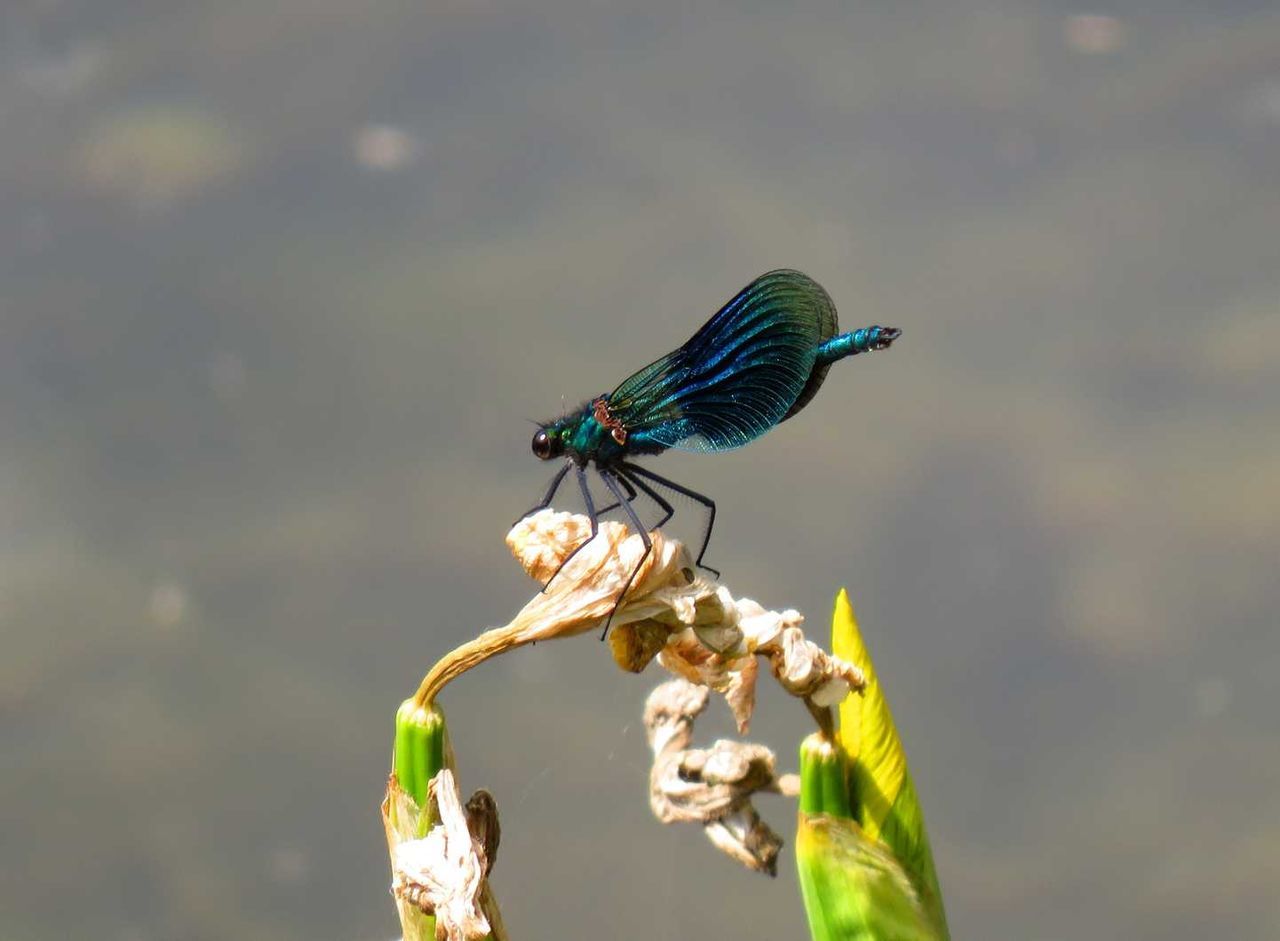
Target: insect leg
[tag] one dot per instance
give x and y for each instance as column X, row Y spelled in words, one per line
column 612, row 483
column 631, row 495
column 706, row 501
column 668, row 510
column 551, row 492
column 595, row 524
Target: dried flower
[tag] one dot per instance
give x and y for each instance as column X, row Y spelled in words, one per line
column 694, row 626
column 580, row 598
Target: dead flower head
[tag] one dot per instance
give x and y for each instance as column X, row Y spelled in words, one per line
column 694, row 626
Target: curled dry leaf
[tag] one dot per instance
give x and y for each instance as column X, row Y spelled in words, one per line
column 482, row 821
column 746, row 631
column 635, row 645
column 745, row 837
column 804, row 669
column 713, row 787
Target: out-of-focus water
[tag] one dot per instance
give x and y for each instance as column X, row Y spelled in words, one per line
column 280, row 284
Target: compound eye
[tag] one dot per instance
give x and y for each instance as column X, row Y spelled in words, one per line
column 542, row 444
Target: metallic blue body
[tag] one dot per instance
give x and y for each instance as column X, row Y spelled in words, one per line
column 753, row 365
column 848, row 344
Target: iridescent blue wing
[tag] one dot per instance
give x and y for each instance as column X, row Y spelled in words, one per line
column 748, row 368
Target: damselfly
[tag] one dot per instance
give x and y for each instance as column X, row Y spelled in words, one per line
column 757, row 362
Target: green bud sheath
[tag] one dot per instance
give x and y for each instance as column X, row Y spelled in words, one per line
column 824, row 779
column 866, row 870
column 420, row 748
column 421, row 745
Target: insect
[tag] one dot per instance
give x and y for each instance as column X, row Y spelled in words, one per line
column 753, row 365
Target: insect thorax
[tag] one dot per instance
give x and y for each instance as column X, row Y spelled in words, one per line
column 586, row 438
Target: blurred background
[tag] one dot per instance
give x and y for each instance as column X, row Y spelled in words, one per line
column 281, row 284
